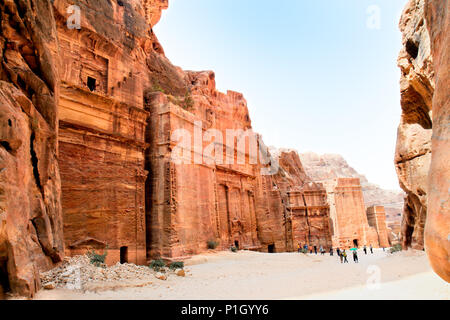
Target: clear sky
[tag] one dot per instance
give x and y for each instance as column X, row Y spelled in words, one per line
column 318, row 75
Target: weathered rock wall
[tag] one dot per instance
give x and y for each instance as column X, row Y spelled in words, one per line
column 31, row 238
column 437, row 236
column 413, row 151
column 376, row 217
column 348, row 213
column 422, row 147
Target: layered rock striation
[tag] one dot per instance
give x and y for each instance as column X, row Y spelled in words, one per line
column 422, row 147
column 31, row 237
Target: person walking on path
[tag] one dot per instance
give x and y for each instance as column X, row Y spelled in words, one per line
column 371, row 249
column 322, row 252
column 355, row 256
column 315, row 249
column 331, row 251
column 341, row 257
column 344, row 254
column 338, row 251
column 365, row 249
column 306, row 248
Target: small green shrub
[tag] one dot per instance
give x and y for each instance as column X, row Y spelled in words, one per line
column 188, row 102
column 234, row 249
column 157, row 87
column 396, row 248
column 176, row 265
column 212, row 244
column 157, row 265
column 97, row 259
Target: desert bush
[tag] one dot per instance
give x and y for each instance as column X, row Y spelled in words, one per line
column 97, row 259
column 212, row 244
column 157, row 265
column 188, row 102
column 176, row 265
column 157, row 87
column 396, row 248
column 234, row 249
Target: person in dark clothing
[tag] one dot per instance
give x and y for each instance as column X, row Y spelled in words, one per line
column 341, row 257
column 315, row 249
column 306, row 248
column 371, row 249
column 365, row 249
column 344, row 254
column 338, row 251
column 355, row 256
column 331, row 251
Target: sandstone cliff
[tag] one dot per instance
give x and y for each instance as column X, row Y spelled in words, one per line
column 31, row 237
column 325, row 168
column 422, row 146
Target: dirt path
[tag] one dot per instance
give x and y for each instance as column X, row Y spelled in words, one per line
column 250, row 275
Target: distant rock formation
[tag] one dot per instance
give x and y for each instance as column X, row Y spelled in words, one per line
column 325, row 168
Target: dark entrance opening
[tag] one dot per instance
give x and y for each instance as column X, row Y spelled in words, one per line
column 236, row 244
column 355, row 243
column 124, row 255
column 271, row 248
column 91, row 83
column 4, row 279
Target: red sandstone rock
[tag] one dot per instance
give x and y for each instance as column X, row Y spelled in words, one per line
column 437, row 230
column 30, row 209
column 413, row 152
column 422, row 148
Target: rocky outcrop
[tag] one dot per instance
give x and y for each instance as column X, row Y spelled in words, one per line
column 413, row 152
column 422, row 147
column 437, row 236
column 31, row 238
column 348, row 212
column 328, row 167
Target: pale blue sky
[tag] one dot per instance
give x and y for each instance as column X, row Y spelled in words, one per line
column 315, row 77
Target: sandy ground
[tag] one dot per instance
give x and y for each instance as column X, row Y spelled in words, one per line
column 251, row 275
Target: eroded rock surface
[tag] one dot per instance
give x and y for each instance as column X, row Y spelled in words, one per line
column 31, row 238
column 422, row 147
column 437, row 229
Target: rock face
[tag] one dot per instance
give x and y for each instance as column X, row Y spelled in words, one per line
column 413, row 152
column 328, row 167
column 376, row 217
column 348, row 213
column 31, row 238
column 437, row 236
column 422, row 147
column 102, row 126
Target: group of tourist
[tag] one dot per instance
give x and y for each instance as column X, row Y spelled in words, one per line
column 341, row 254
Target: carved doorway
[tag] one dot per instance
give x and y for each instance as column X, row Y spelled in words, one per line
column 124, row 255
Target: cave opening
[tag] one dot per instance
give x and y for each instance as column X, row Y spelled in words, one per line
column 271, row 248
column 91, row 83
column 412, row 48
column 236, row 244
column 355, row 243
column 123, row 255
